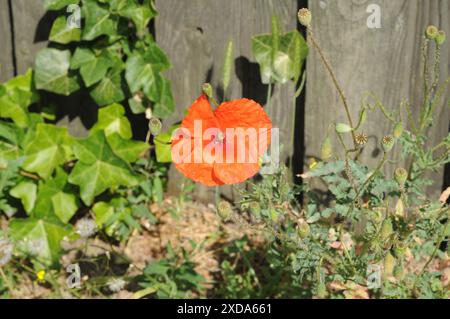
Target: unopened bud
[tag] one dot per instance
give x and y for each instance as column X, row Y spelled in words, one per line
column 398, row 130
column 255, row 209
column 326, row 149
column 440, row 39
column 224, row 210
column 207, row 89
column 387, row 143
column 148, row 113
column 431, row 32
column 303, row 229
column 386, row 229
column 389, row 264
column 400, row 209
column 155, row 126
column 343, row 128
column 304, row 17
column 401, row 175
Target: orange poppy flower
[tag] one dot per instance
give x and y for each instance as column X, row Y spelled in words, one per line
column 222, row 146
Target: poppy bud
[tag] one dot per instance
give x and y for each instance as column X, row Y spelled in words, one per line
column 224, row 210
column 326, row 149
column 207, row 89
column 440, row 39
column 431, row 32
column 148, row 113
column 400, row 209
column 387, row 143
column 154, row 125
column 386, row 229
column 343, row 128
column 389, row 264
column 401, row 175
column 255, row 209
column 398, row 130
column 304, row 17
column 303, row 229
column 399, row 272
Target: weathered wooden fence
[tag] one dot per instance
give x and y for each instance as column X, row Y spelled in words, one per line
column 384, row 59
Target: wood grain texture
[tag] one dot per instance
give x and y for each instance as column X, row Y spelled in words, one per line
column 385, row 61
column 195, row 33
column 6, row 51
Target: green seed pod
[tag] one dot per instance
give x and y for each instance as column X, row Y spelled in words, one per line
column 387, row 143
column 389, row 264
column 361, row 139
column 386, row 229
column 255, row 209
column 343, row 128
column 398, row 130
column 431, row 32
column 207, row 89
column 440, row 39
column 304, row 17
column 155, row 126
column 224, row 210
column 326, row 149
column 303, row 229
column 400, row 175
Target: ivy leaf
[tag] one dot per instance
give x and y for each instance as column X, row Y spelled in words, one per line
column 62, row 33
column 103, row 213
column 52, row 72
column 56, row 198
column 161, row 94
column 128, row 150
column 98, row 20
column 46, row 234
column 109, row 89
column 80, row 57
column 15, row 98
column 58, row 4
column 45, row 151
column 112, row 119
column 98, row 168
column 139, row 14
column 26, row 192
column 162, row 146
column 95, row 70
column 142, row 69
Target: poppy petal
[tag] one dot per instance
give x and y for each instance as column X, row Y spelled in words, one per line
column 200, row 110
column 234, row 173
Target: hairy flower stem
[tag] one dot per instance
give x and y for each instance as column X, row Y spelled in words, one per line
column 294, row 115
column 366, row 183
column 433, row 254
column 335, row 82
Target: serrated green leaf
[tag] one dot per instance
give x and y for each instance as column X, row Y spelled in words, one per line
column 112, row 119
column 98, row 168
column 45, row 151
column 109, row 89
column 47, row 234
column 62, row 33
column 26, row 192
column 128, row 150
column 99, row 20
column 52, row 72
column 58, row 4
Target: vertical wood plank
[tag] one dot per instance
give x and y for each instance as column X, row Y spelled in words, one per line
column 195, row 33
column 386, row 61
column 6, row 51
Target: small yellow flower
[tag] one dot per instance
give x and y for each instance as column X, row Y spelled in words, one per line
column 40, row 275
